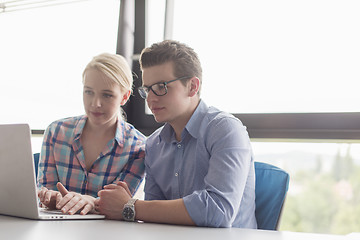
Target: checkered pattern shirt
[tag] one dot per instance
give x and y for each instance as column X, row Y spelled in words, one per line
column 62, row 158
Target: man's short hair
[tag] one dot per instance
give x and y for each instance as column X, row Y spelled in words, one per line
column 185, row 60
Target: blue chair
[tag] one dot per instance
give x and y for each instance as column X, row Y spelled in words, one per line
column 270, row 191
column 36, row 162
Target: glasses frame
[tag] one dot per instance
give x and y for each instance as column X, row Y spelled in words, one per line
column 144, row 90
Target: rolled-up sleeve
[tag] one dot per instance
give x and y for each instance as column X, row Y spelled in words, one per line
column 133, row 171
column 230, row 158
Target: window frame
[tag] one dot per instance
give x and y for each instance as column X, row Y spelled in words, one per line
column 333, row 126
column 341, row 126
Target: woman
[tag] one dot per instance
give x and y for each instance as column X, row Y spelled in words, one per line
column 81, row 154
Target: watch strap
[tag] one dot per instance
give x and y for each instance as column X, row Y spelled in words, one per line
column 129, row 205
column 131, row 202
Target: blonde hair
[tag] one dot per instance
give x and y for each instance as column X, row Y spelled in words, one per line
column 113, row 66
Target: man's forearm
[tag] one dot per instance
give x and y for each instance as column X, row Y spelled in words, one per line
column 163, row 211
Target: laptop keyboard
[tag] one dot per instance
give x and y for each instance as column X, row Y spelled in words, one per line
column 50, row 212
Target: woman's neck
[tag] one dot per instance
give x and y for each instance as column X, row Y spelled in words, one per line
column 101, row 130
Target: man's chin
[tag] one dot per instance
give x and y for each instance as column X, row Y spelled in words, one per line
column 158, row 119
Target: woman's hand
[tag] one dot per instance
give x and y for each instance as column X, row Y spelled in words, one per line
column 71, row 202
column 48, row 197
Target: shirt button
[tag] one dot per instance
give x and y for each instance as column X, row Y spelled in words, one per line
column 176, row 174
column 179, row 145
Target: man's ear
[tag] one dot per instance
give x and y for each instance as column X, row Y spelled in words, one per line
column 125, row 98
column 194, row 83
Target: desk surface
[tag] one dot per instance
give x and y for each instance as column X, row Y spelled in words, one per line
column 18, row 229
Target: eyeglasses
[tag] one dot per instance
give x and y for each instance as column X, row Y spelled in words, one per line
column 159, row 89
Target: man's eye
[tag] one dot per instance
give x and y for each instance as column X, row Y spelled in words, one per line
column 160, row 86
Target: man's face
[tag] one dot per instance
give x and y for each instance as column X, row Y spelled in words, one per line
column 170, row 107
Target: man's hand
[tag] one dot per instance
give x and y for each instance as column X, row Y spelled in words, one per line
column 71, row 202
column 112, row 200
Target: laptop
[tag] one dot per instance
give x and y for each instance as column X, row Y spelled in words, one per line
column 18, row 191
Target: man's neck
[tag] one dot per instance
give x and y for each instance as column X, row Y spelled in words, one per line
column 179, row 124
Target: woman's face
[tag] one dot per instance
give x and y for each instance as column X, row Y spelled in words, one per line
column 102, row 98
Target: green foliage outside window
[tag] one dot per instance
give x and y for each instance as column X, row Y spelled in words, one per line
column 324, row 201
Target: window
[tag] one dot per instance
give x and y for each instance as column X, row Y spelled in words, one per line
column 293, row 62
column 287, row 69
column 283, row 67
column 324, row 188
column 44, row 51
column 275, row 56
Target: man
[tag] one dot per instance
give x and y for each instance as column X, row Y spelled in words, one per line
column 199, row 166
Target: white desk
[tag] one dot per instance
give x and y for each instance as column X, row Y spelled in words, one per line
column 12, row 228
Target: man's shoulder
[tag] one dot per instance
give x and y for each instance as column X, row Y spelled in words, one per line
column 156, row 133
column 218, row 124
column 214, row 117
column 154, row 138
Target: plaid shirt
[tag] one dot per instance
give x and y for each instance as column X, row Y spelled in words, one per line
column 62, row 158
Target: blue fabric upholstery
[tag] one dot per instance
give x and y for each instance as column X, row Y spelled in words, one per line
column 36, row 162
column 270, row 191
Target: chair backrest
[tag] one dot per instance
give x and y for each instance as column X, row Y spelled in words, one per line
column 270, row 191
column 36, row 162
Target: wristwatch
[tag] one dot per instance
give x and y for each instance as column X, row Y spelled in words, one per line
column 128, row 212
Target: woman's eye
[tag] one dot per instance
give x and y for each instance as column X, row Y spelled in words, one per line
column 107, row 95
column 88, row 92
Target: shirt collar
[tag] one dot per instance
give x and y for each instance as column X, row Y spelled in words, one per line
column 192, row 127
column 167, row 134
column 80, row 127
column 194, row 124
column 120, row 131
column 119, row 134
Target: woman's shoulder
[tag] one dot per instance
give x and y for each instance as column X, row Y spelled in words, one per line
column 68, row 123
column 131, row 132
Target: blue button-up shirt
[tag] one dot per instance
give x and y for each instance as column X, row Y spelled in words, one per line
column 211, row 168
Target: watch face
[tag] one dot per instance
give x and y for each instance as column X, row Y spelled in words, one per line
column 128, row 213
